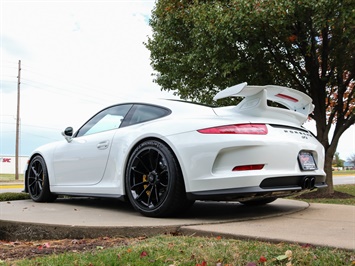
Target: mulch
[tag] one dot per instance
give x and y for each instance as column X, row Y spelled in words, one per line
column 318, row 195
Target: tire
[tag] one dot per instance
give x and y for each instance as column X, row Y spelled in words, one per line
column 258, row 202
column 37, row 181
column 154, row 183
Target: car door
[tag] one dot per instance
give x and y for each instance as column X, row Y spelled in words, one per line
column 83, row 160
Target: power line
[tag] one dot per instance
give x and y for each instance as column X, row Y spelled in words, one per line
column 18, row 122
column 78, row 89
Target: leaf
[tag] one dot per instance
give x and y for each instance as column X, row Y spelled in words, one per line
column 203, row 263
column 75, row 241
column 288, row 253
column 45, row 245
column 99, row 247
column 262, row 259
column 143, row 254
column 281, row 257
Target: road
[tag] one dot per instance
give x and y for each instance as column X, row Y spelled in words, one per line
column 343, row 180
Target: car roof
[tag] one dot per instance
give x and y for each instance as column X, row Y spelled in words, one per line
column 177, row 106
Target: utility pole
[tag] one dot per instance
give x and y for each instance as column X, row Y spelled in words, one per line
column 18, row 122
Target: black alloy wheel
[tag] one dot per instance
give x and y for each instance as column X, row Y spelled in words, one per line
column 154, row 183
column 37, row 181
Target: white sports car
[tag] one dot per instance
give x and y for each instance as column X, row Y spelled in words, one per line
column 162, row 155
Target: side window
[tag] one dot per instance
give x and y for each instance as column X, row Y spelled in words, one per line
column 143, row 113
column 108, row 119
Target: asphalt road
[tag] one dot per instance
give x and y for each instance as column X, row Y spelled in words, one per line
column 342, row 180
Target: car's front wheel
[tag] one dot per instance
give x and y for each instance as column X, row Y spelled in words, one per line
column 154, row 183
column 37, row 181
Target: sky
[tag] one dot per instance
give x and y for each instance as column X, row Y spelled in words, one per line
column 77, row 57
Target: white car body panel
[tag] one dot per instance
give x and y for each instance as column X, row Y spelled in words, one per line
column 95, row 164
column 85, row 156
column 255, row 101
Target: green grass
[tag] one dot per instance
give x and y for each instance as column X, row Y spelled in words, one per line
column 9, row 196
column 183, row 250
column 348, row 189
column 344, row 172
column 10, row 177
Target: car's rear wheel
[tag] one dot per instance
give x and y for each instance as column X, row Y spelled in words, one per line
column 38, row 182
column 154, row 183
column 258, row 202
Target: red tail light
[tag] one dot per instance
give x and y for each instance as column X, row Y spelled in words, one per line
column 248, row 167
column 254, row 129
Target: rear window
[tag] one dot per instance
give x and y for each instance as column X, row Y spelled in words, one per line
column 143, row 113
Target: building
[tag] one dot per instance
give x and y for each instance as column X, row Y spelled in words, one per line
column 7, row 164
column 349, row 166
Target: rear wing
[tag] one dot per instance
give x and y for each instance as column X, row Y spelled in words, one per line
column 255, row 102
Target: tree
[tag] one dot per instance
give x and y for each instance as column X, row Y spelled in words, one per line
column 199, row 47
column 351, row 159
column 337, row 162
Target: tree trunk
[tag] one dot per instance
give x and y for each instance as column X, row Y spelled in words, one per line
column 329, row 172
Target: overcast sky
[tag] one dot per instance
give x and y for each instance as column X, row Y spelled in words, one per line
column 77, row 58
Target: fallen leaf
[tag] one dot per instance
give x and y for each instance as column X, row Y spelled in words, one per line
column 75, row 241
column 203, row 263
column 288, row 253
column 143, row 254
column 262, row 259
column 281, row 257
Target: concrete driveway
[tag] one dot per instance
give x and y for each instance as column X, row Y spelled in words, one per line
column 283, row 220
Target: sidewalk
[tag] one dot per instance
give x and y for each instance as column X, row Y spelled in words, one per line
column 281, row 221
column 320, row 225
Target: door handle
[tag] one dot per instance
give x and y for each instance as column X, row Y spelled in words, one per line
column 103, row 145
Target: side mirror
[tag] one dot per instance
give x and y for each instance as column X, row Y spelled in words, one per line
column 68, row 134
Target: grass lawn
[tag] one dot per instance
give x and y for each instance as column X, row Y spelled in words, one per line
column 184, row 250
column 10, row 178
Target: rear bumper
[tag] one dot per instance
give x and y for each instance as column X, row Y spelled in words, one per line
column 270, row 187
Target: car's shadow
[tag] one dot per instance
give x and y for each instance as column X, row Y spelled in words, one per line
column 92, row 217
column 201, row 210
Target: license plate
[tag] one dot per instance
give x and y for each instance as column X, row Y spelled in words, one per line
column 306, row 161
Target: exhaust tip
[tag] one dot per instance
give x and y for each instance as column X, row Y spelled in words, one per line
column 308, row 183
